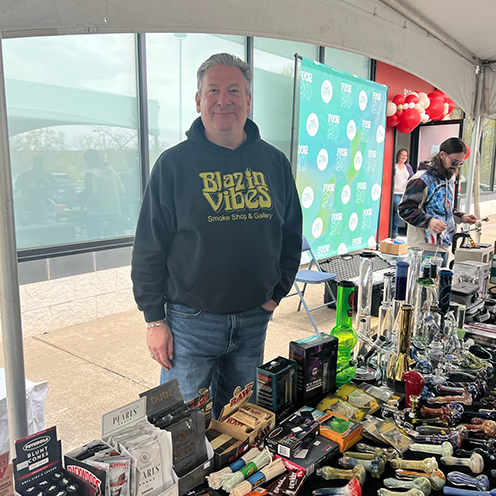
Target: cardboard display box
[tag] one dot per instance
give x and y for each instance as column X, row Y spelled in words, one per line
column 388, row 246
column 231, row 452
column 246, row 418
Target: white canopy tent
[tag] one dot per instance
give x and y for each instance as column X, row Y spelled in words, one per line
column 449, row 43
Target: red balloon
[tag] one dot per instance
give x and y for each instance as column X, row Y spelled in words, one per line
column 410, row 119
column 468, row 152
column 436, row 94
column 399, row 100
column 399, row 113
column 451, row 106
column 436, row 109
column 393, row 120
column 411, row 99
column 404, row 130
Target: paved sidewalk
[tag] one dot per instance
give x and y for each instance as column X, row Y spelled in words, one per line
column 95, row 367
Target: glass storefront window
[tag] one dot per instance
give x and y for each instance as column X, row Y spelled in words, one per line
column 348, row 62
column 73, row 120
column 273, row 88
column 172, row 62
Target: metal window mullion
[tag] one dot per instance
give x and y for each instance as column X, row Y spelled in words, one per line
column 142, row 99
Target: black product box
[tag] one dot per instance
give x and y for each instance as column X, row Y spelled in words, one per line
column 234, row 447
column 38, row 468
column 276, row 389
column 316, row 357
column 317, row 454
column 293, row 435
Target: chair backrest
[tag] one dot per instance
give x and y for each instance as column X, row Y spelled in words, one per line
column 305, row 247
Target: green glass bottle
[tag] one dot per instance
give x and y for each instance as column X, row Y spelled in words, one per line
column 344, row 332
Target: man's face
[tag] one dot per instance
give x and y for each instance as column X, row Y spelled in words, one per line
column 451, row 163
column 223, row 104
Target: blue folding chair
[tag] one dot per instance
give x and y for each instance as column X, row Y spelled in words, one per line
column 309, row 276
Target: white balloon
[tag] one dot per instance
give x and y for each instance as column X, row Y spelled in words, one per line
column 413, row 93
column 424, row 118
column 412, row 105
column 391, row 108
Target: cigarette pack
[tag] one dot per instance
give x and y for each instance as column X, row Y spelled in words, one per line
column 277, row 386
column 316, row 357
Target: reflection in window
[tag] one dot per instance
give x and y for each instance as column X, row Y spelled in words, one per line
column 73, row 137
column 487, row 154
column 348, row 62
column 273, row 88
column 172, row 62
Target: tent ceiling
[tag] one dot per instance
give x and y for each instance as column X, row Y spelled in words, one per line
column 368, row 27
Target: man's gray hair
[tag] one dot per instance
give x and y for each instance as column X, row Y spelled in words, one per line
column 225, row 59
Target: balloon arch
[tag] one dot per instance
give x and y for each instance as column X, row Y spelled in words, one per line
column 407, row 112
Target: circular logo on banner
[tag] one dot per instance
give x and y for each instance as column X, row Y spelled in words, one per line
column 376, row 192
column 362, row 100
column 342, row 250
column 307, row 197
column 372, row 242
column 350, row 130
column 312, row 124
column 317, row 227
column 346, row 195
column 353, row 222
column 326, row 91
column 322, row 159
column 381, row 133
column 357, row 162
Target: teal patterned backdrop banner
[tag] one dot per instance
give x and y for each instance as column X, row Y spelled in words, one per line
column 340, row 158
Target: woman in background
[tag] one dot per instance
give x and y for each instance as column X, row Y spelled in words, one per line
column 402, row 173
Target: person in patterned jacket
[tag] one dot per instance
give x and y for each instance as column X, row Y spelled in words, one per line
column 427, row 204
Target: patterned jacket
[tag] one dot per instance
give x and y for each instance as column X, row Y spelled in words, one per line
column 429, row 195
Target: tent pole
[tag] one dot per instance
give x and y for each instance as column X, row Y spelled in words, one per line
column 475, row 142
column 10, row 307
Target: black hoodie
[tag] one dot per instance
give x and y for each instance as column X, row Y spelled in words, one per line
column 219, row 229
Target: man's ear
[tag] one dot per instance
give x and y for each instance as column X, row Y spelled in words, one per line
column 197, row 100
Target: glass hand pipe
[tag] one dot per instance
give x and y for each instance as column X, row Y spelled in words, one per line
column 482, row 452
column 353, row 488
column 484, row 415
column 475, row 462
column 467, row 492
column 465, row 398
column 481, row 482
column 426, row 465
column 371, row 463
column 488, row 427
column 436, row 477
column 439, row 422
column 421, row 483
column 330, row 473
column 410, row 492
column 480, row 384
column 445, row 449
column 453, row 438
column 388, row 453
column 453, row 412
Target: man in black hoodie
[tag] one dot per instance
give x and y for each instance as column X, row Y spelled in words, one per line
column 218, row 241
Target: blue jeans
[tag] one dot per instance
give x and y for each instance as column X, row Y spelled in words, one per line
column 396, row 215
column 216, row 351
